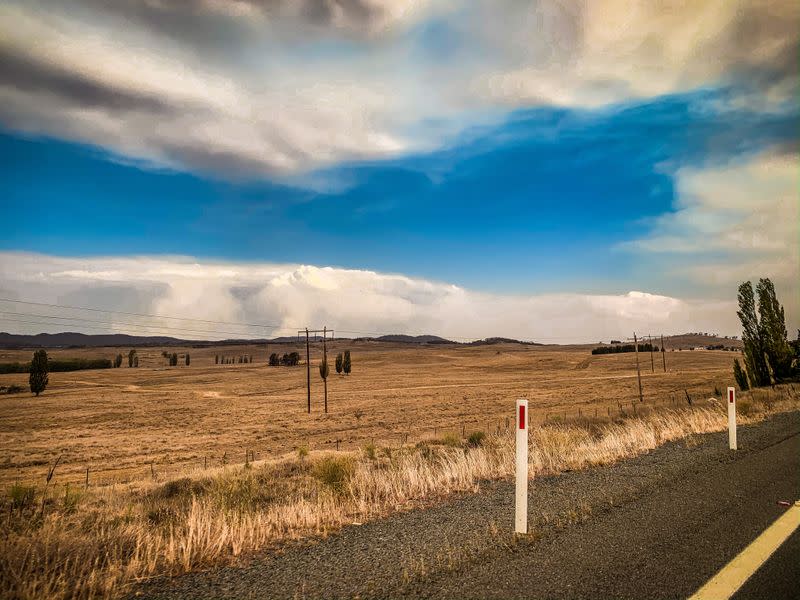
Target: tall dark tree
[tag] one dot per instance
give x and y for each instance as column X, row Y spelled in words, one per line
column 38, row 377
column 118, row 361
column 740, row 375
column 136, row 362
column 274, row 360
column 216, row 359
column 173, row 361
column 339, row 361
column 752, row 336
column 347, row 365
column 131, row 354
column 188, row 360
column 773, row 331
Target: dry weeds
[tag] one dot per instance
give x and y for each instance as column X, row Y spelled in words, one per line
column 68, row 543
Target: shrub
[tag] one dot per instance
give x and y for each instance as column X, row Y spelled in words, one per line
column 274, row 360
column 38, row 378
column 346, row 363
column 302, row 452
column 135, row 362
column 339, row 363
column 21, row 496
column 14, row 389
column 334, row 471
column 452, row 440
column 744, row 408
column 475, row 439
column 118, row 361
column 369, row 451
column 173, row 361
column 131, row 356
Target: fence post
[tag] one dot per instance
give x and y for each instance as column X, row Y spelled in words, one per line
column 521, row 503
column 732, row 418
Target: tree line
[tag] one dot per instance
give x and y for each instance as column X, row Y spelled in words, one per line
column 768, row 355
column 625, row 348
column 230, row 360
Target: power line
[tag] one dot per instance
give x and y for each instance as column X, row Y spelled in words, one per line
column 95, row 327
column 134, row 314
column 115, row 323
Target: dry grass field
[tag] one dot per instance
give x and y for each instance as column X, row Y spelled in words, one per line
column 162, row 500
column 126, row 424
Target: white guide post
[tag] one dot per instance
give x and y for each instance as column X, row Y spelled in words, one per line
column 521, row 503
column 732, row 418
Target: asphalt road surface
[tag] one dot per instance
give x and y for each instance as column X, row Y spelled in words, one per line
column 657, row 526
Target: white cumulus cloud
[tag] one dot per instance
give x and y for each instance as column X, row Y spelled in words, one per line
column 353, row 302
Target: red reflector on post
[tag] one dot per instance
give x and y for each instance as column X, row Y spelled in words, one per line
column 730, row 396
column 522, row 417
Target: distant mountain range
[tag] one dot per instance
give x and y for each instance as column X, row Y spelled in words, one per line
column 69, row 339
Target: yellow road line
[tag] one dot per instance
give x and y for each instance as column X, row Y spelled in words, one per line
column 733, row 575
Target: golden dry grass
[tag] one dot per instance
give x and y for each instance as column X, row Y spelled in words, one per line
column 119, row 422
column 88, row 544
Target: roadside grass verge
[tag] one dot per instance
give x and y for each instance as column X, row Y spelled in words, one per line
column 65, row 542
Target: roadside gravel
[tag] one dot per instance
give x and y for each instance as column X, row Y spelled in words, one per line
column 458, row 548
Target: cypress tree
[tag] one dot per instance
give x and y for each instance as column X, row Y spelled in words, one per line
column 136, row 362
column 131, row 354
column 38, row 378
column 346, row 364
column 339, row 361
column 752, row 337
column 187, row 359
column 773, row 329
column 216, row 359
column 174, row 360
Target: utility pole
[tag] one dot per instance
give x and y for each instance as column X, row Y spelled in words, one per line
column 324, row 331
column 308, row 372
column 325, row 362
column 638, row 371
column 663, row 353
column 652, row 364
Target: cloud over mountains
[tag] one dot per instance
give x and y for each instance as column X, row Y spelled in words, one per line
column 354, row 302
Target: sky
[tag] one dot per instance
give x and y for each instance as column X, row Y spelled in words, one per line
column 558, row 171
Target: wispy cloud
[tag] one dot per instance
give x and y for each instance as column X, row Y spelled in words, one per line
column 260, row 87
column 351, row 301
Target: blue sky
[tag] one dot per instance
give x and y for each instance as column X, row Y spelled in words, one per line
column 426, row 142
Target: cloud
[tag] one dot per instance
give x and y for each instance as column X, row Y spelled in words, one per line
column 353, row 302
column 598, row 53
column 732, row 223
column 271, row 88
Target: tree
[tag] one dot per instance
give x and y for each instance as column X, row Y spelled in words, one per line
column 131, row 354
column 173, row 361
column 274, row 360
column 339, row 361
column 773, row 331
column 346, row 364
column 216, row 359
column 38, row 378
column 752, row 337
column 188, row 360
column 118, row 361
column 740, row 376
column 135, row 362
column 324, row 369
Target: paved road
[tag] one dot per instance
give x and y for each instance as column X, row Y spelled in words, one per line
column 658, row 526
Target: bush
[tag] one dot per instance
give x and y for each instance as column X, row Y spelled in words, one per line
column 369, row 451
column 339, row 363
column 744, row 408
column 451, row 439
column 131, row 356
column 21, row 496
column 274, row 360
column 475, row 439
column 38, row 378
column 346, row 363
column 334, row 472
column 118, row 361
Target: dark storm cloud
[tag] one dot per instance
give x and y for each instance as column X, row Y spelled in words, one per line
column 28, row 75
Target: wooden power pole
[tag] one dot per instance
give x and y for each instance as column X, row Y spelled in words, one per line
column 638, row 371
column 324, row 331
column 325, row 362
column 663, row 353
column 308, row 372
